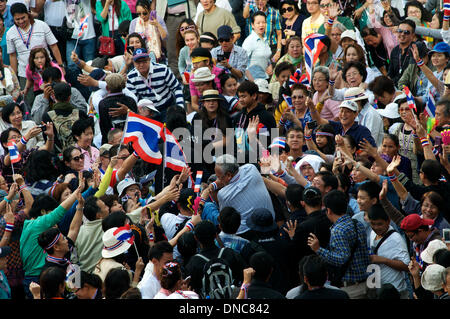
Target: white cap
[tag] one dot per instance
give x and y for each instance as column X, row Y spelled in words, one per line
column 349, row 105
column 432, row 277
column 348, row 34
column 390, row 111
column 263, row 85
column 124, row 184
column 433, row 246
column 148, row 104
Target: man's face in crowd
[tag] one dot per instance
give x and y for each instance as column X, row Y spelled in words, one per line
column 159, row 264
column 246, row 99
column 295, row 140
column 116, row 138
column 142, row 65
column 226, row 44
column 207, row 4
column 379, row 226
column 104, row 210
column 441, row 118
column 221, row 176
column 419, row 236
column 346, row 116
column 405, row 34
column 22, row 20
column 364, row 201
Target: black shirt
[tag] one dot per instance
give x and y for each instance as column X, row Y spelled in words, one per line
column 399, row 61
column 262, row 290
column 379, row 55
column 323, row 293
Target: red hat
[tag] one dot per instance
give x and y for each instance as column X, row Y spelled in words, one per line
column 414, row 221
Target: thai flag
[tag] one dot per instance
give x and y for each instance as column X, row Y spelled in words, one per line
column 288, row 101
column 83, row 25
column 174, row 157
column 14, row 154
column 430, row 107
column 124, row 234
column 144, row 133
column 409, row 98
column 313, row 46
column 198, row 181
column 278, row 142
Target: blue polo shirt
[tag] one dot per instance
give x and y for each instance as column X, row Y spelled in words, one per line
column 358, row 132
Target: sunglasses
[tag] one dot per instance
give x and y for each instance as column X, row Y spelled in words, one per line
column 325, row 5
column 224, row 40
column 288, row 9
column 191, row 27
column 78, row 158
column 142, row 13
column 405, row 32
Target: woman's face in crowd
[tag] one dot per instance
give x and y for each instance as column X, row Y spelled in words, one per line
column 39, row 60
column 14, row 136
column 435, row 22
column 352, row 55
column 86, row 137
column 186, row 26
column 298, row 99
column 230, row 87
column 191, row 40
column 364, row 201
column 357, row 176
column 312, row 6
column 439, row 59
column 389, row 148
column 387, row 20
column 211, row 106
column 203, row 86
column 143, row 13
column 284, row 76
column 77, row 161
column 289, row 11
column 116, row 207
column 354, row 78
column 405, row 112
column 377, row 169
column 135, row 43
column 429, row 210
column 15, row 118
column 321, row 140
column 308, row 171
column 295, row 49
column 65, row 194
column 336, row 34
column 320, row 82
column 259, row 25
column 261, row 4
column 414, row 12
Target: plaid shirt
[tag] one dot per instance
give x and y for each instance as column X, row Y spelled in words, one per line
column 273, row 23
column 342, row 238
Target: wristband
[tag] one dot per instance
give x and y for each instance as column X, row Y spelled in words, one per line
column 331, row 82
column 23, row 140
column 202, row 200
column 245, row 288
column 420, row 63
column 214, row 186
column 190, row 226
column 9, row 227
column 424, row 141
column 7, row 200
column 22, row 188
column 278, row 174
column 308, row 137
column 135, row 154
column 151, row 237
column 392, row 177
column 330, row 21
column 281, row 122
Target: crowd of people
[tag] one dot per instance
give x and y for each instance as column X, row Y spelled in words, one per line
column 297, row 180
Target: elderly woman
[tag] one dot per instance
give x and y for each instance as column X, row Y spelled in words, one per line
column 328, row 108
column 294, row 55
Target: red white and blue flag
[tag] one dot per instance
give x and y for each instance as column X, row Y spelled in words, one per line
column 288, row 101
column 124, row 234
column 430, row 107
column 409, row 98
column 198, row 181
column 83, row 25
column 298, row 77
column 174, row 157
column 14, row 154
column 313, row 46
column 278, row 142
column 144, row 134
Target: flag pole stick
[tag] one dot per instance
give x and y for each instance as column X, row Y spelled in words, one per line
column 164, row 158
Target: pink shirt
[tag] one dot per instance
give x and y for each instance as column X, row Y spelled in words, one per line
column 330, row 108
column 216, row 71
column 36, row 77
column 89, row 160
column 389, row 39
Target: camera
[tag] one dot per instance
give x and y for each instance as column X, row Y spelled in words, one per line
column 311, row 125
column 446, row 233
column 220, row 57
column 130, row 49
column 42, row 127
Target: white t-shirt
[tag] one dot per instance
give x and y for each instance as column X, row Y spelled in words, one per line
column 170, row 223
column 149, row 285
column 41, row 36
column 27, row 3
column 54, row 12
column 185, row 294
column 110, row 22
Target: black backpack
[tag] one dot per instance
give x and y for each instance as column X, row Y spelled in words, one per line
column 217, row 278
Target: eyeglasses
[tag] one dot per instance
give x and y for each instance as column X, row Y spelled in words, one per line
column 294, row 97
column 325, row 5
column 405, row 32
column 288, row 9
column 191, row 27
column 142, row 13
column 224, row 40
column 78, row 158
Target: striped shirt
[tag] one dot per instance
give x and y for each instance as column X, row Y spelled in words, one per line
column 343, row 237
column 159, row 87
column 273, row 23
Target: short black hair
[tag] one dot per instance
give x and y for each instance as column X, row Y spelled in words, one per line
column 116, row 282
column 8, row 109
column 315, row 270
column 18, row 7
column 312, row 197
column 205, row 232
column 377, row 212
column 81, row 125
column 229, row 220
column 372, row 189
column 51, row 73
column 409, row 22
column 249, row 87
column 4, row 136
column 326, row 41
column 115, row 219
column 158, row 250
column 382, row 84
column 124, row 26
column 328, row 179
column 91, row 208
column 336, row 201
column 432, row 170
column 62, row 92
column 257, row 13
column 187, row 198
column 446, row 103
column 51, row 280
column 42, row 202
column 282, row 66
column 263, row 264
column 294, row 194
column 357, row 65
column 46, row 237
column 442, row 257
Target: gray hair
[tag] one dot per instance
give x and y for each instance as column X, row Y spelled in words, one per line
column 227, row 163
column 340, row 26
column 321, row 69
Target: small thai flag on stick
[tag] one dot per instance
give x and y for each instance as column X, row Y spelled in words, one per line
column 198, row 181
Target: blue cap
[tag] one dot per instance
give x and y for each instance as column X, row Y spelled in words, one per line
column 224, row 32
column 440, row 47
column 140, row 53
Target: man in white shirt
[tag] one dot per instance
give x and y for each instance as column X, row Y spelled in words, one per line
column 159, row 255
column 388, row 251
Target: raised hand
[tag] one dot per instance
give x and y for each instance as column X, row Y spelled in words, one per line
column 333, row 71
column 415, row 52
column 384, row 190
column 393, row 164
column 334, row 10
column 292, row 226
column 368, row 148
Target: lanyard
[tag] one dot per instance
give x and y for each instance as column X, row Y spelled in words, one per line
column 400, row 63
column 27, row 43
